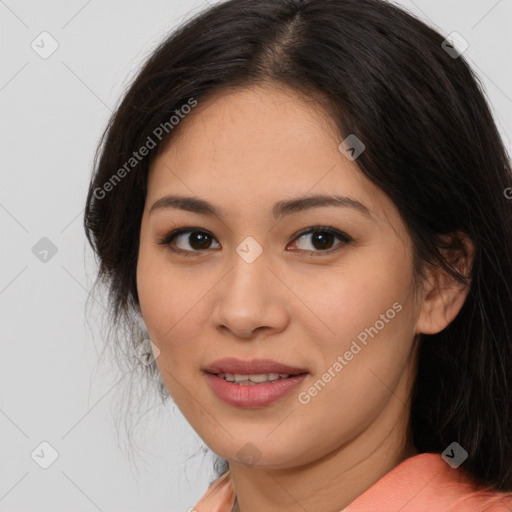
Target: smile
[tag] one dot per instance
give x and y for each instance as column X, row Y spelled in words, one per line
column 248, row 380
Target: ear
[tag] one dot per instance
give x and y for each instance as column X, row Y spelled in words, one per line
column 443, row 296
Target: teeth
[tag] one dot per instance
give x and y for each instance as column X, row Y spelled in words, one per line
column 250, row 380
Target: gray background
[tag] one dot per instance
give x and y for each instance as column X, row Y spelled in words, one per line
column 52, row 113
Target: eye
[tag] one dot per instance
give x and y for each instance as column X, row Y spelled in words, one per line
column 198, row 239
column 321, row 237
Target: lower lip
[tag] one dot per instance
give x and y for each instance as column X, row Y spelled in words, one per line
column 259, row 395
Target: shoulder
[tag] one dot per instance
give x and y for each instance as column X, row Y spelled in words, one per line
column 426, row 482
column 422, row 483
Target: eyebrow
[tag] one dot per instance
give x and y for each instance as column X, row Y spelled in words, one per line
column 279, row 210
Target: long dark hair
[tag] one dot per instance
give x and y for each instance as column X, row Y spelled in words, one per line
column 431, row 145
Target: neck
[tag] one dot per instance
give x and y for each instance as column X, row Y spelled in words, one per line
column 328, row 484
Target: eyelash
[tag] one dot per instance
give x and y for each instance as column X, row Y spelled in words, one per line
column 345, row 239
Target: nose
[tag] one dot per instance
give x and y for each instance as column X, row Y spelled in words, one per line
column 250, row 299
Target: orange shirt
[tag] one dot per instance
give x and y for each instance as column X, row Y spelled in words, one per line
column 423, row 483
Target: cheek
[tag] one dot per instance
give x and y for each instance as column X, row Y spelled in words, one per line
column 167, row 308
column 341, row 303
column 359, row 368
column 172, row 302
column 361, row 334
column 158, row 299
column 371, row 321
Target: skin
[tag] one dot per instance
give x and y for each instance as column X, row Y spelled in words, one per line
column 243, row 150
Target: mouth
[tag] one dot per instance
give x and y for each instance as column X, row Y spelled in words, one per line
column 254, row 379
column 255, row 383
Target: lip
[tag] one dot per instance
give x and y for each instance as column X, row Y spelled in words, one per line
column 257, row 395
column 251, row 367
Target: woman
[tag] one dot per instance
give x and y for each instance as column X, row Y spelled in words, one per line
column 303, row 202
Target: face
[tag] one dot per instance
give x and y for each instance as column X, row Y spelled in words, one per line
column 323, row 287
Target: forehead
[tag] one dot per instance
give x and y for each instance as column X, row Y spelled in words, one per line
column 272, row 117
column 260, row 142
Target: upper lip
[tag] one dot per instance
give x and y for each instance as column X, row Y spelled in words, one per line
column 251, row 367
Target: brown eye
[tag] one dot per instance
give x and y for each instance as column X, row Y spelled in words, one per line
column 321, row 239
column 197, row 239
column 188, row 240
